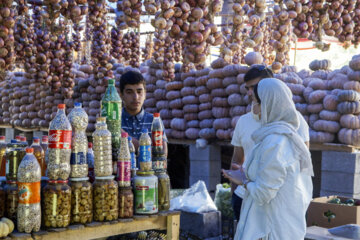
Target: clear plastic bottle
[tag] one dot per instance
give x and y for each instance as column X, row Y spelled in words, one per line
column 39, row 154
column 102, row 149
column 29, row 209
column 44, row 142
column 145, row 151
column 79, row 144
column 90, row 162
column 2, row 155
column 157, row 131
column 133, row 156
column 111, row 106
column 124, row 163
column 24, row 142
column 14, row 154
column 59, row 149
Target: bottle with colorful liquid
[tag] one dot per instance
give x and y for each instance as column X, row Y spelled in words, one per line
column 145, row 151
column 39, row 154
column 124, row 163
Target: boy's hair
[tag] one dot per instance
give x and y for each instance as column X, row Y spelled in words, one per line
column 257, row 71
column 131, row 77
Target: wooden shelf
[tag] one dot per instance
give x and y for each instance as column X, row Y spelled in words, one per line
column 169, row 221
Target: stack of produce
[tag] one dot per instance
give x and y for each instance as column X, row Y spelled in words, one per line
column 151, row 78
column 5, row 91
column 131, row 48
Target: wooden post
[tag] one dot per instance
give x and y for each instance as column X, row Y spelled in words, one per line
column 173, row 227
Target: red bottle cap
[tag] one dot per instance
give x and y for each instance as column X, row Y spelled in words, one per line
column 45, row 138
column 18, row 138
column 61, row 106
column 90, row 145
column 29, row 150
column 156, row 114
column 124, row 135
column 2, row 137
column 36, row 140
column 23, row 139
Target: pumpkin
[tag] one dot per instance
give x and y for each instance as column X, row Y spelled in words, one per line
column 223, row 134
column 220, row 102
column 235, row 100
column 298, row 99
column 253, row 58
column 161, row 84
column 204, row 98
column 317, row 96
column 201, row 81
column 162, row 104
column 322, row 74
column 354, row 75
column 192, row 133
column 149, row 88
column 205, row 106
column 330, row 115
column 218, row 63
column 304, row 74
column 350, row 121
column 190, row 100
column 207, row 133
column 222, row 123
column 240, row 78
column 216, row 73
column 348, row 95
column 219, row 112
column 332, row 74
column 338, row 81
column 345, row 70
column 214, row 83
column 191, row 108
column 315, row 108
column 330, row 102
column 317, row 84
column 349, row 136
column 218, row 93
column 302, row 108
column 159, row 94
column 231, row 70
column 4, row 229
column 177, row 103
column 349, row 107
column 165, row 114
column 321, row 137
column 190, row 116
column 187, row 91
column 167, row 123
column 243, row 90
column 177, row 113
column 237, row 111
column 178, row 134
column 206, row 123
column 178, row 124
column 306, row 93
column 9, row 223
column 232, row 88
column 202, row 72
column 171, row 95
column 148, row 103
column 186, row 75
column 352, row 85
column 320, row 64
column 354, row 64
column 201, row 90
column 289, row 69
column 234, row 121
column 207, row 114
column 190, row 81
column 312, row 119
column 326, row 126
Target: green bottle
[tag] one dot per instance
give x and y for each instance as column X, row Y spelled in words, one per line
column 111, row 108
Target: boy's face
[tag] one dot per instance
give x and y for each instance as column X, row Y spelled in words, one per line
column 133, row 97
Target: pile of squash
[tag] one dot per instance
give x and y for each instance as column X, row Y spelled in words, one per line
column 6, row 227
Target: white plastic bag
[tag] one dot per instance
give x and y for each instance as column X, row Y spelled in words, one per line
column 195, row 199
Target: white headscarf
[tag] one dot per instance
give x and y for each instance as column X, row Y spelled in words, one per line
column 278, row 116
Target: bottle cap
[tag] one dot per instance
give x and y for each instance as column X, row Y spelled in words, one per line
column 23, row 139
column 79, row 179
column 90, row 145
column 129, row 138
column 111, row 81
column 144, row 130
column 29, row 150
column 13, row 141
column 18, row 138
column 156, row 114
column 2, row 137
column 61, row 106
column 45, row 138
column 36, row 140
column 77, row 104
column 124, row 135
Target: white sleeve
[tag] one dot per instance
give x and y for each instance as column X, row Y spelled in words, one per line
column 303, row 130
column 236, row 139
column 272, row 172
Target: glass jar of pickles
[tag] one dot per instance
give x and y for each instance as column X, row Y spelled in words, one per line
column 2, row 201
column 126, row 202
column 146, row 193
column 14, row 154
column 81, row 200
column 105, row 199
column 163, row 190
column 11, row 192
column 56, row 202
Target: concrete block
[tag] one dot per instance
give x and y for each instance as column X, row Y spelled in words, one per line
column 331, row 193
column 202, row 225
column 341, row 162
column 203, row 168
column 340, row 182
column 210, row 152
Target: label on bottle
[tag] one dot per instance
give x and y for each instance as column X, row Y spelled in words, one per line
column 157, row 138
column 124, row 173
column 7, row 168
column 145, row 153
column 78, row 158
column 133, row 160
column 111, row 110
column 159, row 164
column 60, row 139
column 146, row 197
column 29, row 193
column 90, row 160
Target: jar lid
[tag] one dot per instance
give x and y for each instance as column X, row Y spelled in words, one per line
column 145, row 172
column 79, row 179
column 58, row 181
column 106, row 177
column 11, row 182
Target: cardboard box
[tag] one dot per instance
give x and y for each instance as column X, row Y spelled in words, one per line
column 319, row 211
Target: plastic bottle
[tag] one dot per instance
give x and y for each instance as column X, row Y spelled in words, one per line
column 124, row 163
column 132, row 153
column 44, row 142
column 111, row 107
column 90, row 162
column 145, row 151
column 24, row 141
column 79, row 144
column 2, row 155
column 29, row 209
column 59, row 149
column 157, row 131
column 39, row 154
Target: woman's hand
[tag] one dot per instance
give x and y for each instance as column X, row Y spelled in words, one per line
column 236, row 176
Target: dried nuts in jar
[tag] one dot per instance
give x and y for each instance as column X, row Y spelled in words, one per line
column 81, row 200
column 105, row 199
column 126, row 202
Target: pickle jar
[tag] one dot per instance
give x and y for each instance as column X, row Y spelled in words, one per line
column 14, row 155
column 2, row 201
column 126, row 202
column 146, row 192
column 163, row 190
column 11, row 192
column 56, row 204
column 81, row 200
column 105, row 199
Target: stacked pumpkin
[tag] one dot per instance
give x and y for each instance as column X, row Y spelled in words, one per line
column 151, row 79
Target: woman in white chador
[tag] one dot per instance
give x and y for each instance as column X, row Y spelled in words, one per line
column 275, row 184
